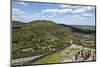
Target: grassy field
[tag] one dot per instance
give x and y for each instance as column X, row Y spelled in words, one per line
column 52, row 58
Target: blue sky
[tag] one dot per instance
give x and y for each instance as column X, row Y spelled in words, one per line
column 60, row 13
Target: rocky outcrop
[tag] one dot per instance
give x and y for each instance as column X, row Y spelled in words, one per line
column 84, row 55
column 76, row 53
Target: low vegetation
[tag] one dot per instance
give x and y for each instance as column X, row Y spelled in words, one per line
column 43, row 36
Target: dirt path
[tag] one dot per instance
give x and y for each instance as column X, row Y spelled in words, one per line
column 20, row 61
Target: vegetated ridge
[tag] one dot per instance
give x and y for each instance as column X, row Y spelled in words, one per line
column 41, row 36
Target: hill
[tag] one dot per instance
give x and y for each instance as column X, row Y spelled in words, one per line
column 85, row 27
column 82, row 28
column 43, row 36
column 17, row 23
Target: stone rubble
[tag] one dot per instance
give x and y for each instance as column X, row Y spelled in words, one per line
column 84, row 55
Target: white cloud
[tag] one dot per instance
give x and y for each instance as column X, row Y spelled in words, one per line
column 69, row 9
column 70, row 6
column 83, row 9
column 15, row 9
column 76, row 16
column 90, row 7
column 66, row 10
column 55, row 11
column 64, row 6
column 23, row 3
column 88, row 15
column 20, row 15
column 79, row 10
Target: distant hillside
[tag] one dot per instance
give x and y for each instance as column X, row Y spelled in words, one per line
column 17, row 23
column 82, row 28
column 42, row 36
column 85, row 27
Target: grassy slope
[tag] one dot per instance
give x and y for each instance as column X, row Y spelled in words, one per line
column 52, row 58
column 39, row 37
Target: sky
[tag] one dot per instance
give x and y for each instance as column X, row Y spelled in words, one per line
column 60, row 13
